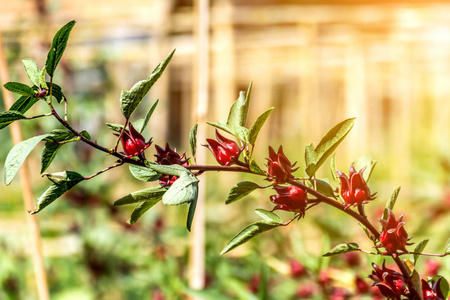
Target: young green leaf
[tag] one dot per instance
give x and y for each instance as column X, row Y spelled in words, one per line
column 269, row 216
column 342, row 248
column 19, row 88
column 333, row 167
column 193, row 140
column 241, row 190
column 144, row 173
column 222, row 126
column 52, row 146
column 322, row 186
column 57, row 92
column 176, row 170
column 248, row 233
column 153, row 194
column 32, row 71
column 419, row 248
column 17, row 156
column 390, row 204
column 59, row 44
column 327, row 145
column 85, row 134
column 256, row 127
column 23, row 104
column 239, row 110
column 42, row 82
column 255, row 168
column 66, row 180
column 183, row 190
column 191, row 213
column 148, row 116
column 129, row 100
column 140, row 209
column 9, row 116
column 368, row 162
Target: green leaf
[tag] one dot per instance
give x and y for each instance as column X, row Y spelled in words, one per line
column 322, row 186
column 255, row 168
column 57, row 92
column 144, row 173
column 221, row 125
column 310, row 155
column 7, row 117
column 19, row 88
column 32, row 71
column 447, row 247
column 327, row 145
column 85, row 134
column 42, row 82
column 419, row 248
column 129, row 100
column 239, row 110
column 415, row 277
column 148, row 116
column 176, row 170
column 269, row 216
column 342, row 248
column 23, row 104
column 368, row 162
column 256, row 127
column 114, row 127
column 191, row 213
column 153, row 194
column 241, row 190
column 333, row 167
column 193, row 140
column 59, row 44
column 52, row 146
column 17, row 156
column 241, row 133
column 65, row 181
column 248, row 233
column 445, row 288
column 390, row 204
column 140, row 209
column 183, row 190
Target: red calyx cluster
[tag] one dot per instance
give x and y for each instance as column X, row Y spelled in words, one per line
column 133, row 142
column 224, row 150
column 168, row 156
column 290, row 198
column 390, row 283
column 354, row 189
column 432, row 292
column 393, row 236
column 279, row 168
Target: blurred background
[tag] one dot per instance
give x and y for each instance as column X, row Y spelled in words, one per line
column 317, row 62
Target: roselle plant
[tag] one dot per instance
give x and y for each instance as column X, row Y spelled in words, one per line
column 177, row 176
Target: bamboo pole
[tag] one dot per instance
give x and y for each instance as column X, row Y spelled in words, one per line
column 35, row 246
column 201, row 88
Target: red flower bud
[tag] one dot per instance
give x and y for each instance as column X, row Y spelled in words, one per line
column 279, row 168
column 354, row 191
column 133, row 142
column 168, row 156
column 432, row 292
column 290, row 198
column 390, row 283
column 393, row 236
column 224, row 150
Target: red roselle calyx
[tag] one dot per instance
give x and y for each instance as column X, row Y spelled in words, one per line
column 224, row 150
column 393, row 236
column 290, row 198
column 279, row 168
column 354, row 190
column 133, row 142
column 390, row 283
column 168, row 156
column 432, row 292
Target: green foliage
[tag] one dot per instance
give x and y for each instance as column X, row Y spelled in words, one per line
column 193, row 140
column 139, row 210
column 269, row 216
column 342, row 248
column 419, row 248
column 241, row 190
column 57, row 92
column 390, row 204
column 7, row 117
column 36, row 76
column 149, row 115
column 447, row 247
column 153, row 194
column 368, row 162
column 19, row 88
column 62, row 182
column 144, row 173
column 59, row 44
column 54, row 143
column 315, row 157
column 256, row 127
column 322, row 186
column 183, row 190
column 130, row 100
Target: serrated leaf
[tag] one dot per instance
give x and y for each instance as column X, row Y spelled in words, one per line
column 365, row 161
column 7, row 117
column 419, row 248
column 255, row 168
column 148, row 116
column 153, row 194
column 191, row 213
column 32, row 71
column 140, row 209
column 248, row 233
column 183, row 190
column 257, row 125
column 328, row 144
column 66, row 180
column 269, row 216
column 144, row 173
column 342, row 248
column 390, row 204
column 130, row 100
column 17, row 156
column 193, row 140
column 19, row 88
column 59, row 44
column 241, row 190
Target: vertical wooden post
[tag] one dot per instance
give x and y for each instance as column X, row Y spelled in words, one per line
column 35, row 246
